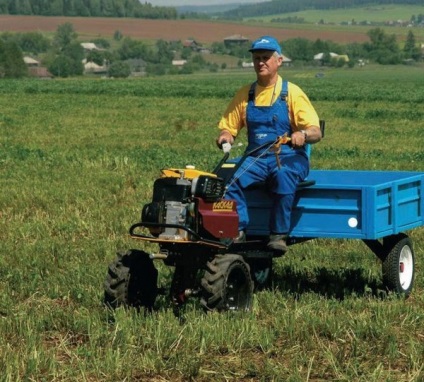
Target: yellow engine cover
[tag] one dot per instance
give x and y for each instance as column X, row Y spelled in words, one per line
column 186, row 173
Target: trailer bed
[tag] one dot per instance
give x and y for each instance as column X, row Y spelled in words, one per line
column 364, row 205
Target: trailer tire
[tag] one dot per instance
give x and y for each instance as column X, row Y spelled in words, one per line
column 399, row 267
column 131, row 281
column 227, row 284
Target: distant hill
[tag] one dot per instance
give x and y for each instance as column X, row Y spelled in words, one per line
column 207, row 9
column 286, row 6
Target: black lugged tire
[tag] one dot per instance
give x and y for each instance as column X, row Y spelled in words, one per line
column 227, row 284
column 131, row 281
column 399, row 267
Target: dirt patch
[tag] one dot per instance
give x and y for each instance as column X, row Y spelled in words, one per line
column 205, row 32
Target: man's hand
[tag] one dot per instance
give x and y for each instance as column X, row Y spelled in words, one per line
column 310, row 135
column 223, row 137
column 298, row 139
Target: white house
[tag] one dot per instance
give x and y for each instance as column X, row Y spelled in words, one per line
column 179, row 62
column 92, row 67
column 29, row 61
column 89, row 46
column 320, row 56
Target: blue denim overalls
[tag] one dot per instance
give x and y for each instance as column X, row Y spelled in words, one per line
column 265, row 124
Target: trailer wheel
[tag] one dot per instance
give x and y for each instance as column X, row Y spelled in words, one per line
column 399, row 267
column 131, row 281
column 227, row 284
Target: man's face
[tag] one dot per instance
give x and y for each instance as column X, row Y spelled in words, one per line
column 265, row 62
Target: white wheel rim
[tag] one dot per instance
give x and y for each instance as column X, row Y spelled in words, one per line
column 406, row 267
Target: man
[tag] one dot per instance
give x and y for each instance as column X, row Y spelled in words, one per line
column 270, row 108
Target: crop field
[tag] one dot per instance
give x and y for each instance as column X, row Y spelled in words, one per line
column 205, row 32
column 78, row 158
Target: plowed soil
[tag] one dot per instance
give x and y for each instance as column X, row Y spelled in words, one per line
column 203, row 32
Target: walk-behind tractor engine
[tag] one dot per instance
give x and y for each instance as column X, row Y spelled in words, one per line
column 187, row 204
column 195, row 229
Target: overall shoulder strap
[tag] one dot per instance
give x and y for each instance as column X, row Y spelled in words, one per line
column 284, row 91
column 252, row 92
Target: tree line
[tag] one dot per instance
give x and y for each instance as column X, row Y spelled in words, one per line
column 382, row 48
column 137, row 9
column 86, row 8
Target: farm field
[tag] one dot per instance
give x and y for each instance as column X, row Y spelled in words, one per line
column 203, row 31
column 78, row 158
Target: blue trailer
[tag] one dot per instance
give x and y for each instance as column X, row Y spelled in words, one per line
column 367, row 205
column 195, row 230
column 377, row 207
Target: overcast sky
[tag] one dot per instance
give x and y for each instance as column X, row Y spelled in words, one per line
column 175, row 3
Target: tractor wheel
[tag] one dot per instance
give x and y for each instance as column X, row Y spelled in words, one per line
column 131, row 281
column 227, row 284
column 398, row 267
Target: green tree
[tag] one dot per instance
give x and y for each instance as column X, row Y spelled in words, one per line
column 158, row 69
column 96, row 57
column 186, row 53
column 81, row 8
column 107, row 8
column 61, row 66
column 119, row 69
column 33, row 42
column 411, row 50
column 299, row 49
column 75, row 53
column 23, row 7
column 164, row 52
column 218, row 47
column 55, row 8
column 117, row 36
column 12, row 64
column 199, row 60
column 102, row 43
column 382, row 48
column 4, row 9
column 319, row 46
column 355, row 50
column 67, row 53
column 134, row 49
column 64, row 36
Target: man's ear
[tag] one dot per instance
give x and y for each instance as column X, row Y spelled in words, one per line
column 280, row 60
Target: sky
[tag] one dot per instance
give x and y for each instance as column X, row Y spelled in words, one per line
column 176, row 3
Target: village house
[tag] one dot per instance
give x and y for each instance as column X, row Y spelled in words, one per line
column 90, row 46
column 236, row 39
column 35, row 70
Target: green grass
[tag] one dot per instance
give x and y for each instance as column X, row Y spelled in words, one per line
column 371, row 13
column 334, row 18
column 78, row 158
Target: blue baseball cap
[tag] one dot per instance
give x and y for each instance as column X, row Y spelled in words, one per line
column 266, row 43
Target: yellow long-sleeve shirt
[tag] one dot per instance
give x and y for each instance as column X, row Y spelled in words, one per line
column 301, row 112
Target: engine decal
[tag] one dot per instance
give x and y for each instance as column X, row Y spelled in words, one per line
column 223, row 205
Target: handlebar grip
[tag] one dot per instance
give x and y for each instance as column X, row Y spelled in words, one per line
column 226, row 147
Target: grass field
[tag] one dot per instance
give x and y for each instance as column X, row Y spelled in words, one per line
column 333, row 19
column 372, row 13
column 79, row 157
